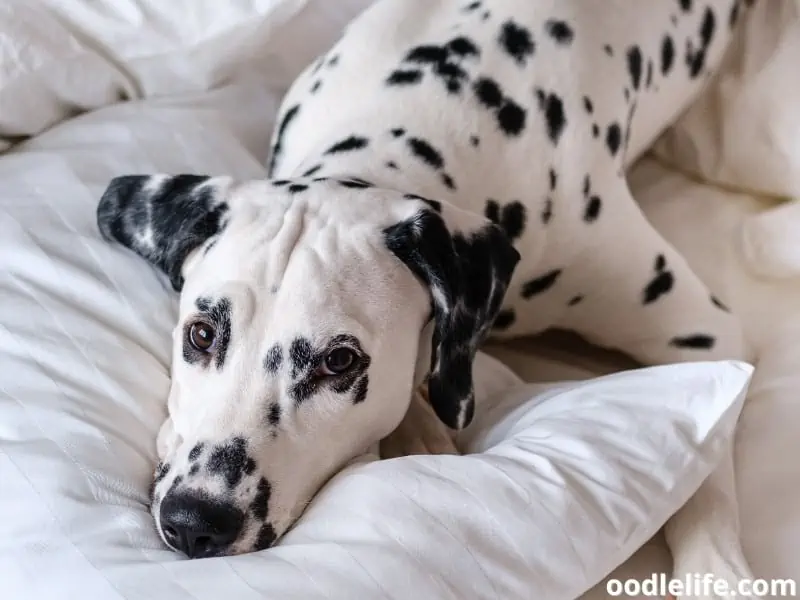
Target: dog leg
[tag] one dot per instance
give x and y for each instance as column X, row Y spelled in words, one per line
column 704, row 536
column 420, row 432
column 653, row 305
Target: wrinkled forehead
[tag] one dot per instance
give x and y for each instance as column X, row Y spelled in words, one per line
column 270, row 224
column 314, row 255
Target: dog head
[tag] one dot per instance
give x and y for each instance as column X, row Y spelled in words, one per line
column 303, row 322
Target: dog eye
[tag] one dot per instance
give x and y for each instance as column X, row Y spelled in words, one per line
column 337, row 361
column 201, row 336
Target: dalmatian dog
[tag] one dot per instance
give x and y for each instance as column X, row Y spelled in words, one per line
column 449, row 170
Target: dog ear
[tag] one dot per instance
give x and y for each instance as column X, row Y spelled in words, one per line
column 467, row 275
column 163, row 218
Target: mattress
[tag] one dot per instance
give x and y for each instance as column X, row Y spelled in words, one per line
column 721, row 232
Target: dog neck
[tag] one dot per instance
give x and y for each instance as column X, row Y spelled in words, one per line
column 380, row 167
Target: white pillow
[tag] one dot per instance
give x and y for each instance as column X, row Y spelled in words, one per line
column 59, row 57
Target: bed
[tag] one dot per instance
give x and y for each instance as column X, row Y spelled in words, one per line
column 88, row 90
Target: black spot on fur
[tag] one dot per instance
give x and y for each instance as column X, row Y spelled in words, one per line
column 648, row 80
column 488, row 92
column 547, row 211
column 661, row 284
column 445, row 62
column 553, row 179
column 249, row 466
column 209, row 246
column 427, row 153
column 734, row 15
column 260, row 504
column 667, row 54
column 390, row 164
column 361, row 389
column 312, row 171
column 404, row 77
column 274, row 414
column 301, row 356
column 196, row 451
column 277, row 147
column 634, row 58
column 229, row 460
column 696, row 58
column 613, row 138
column 472, row 6
column 511, row 218
column 448, row 181
column 316, row 86
column 474, row 140
column 587, row 104
column 516, row 41
column 274, row 359
column 592, row 209
column 296, row 188
column 595, row 130
column 162, row 469
column 505, row 319
column 555, row 119
column 348, row 145
column 686, row 5
column 451, row 75
column 575, row 300
column 718, row 303
column 541, row 284
column 697, row 341
column 266, row 537
column 355, row 183
column 427, row 54
column 398, row 132
column 608, row 50
column 463, row 47
column 511, row 118
column 593, row 203
column 629, row 123
column 560, row 31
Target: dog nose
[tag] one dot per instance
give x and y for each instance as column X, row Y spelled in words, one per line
column 199, row 526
